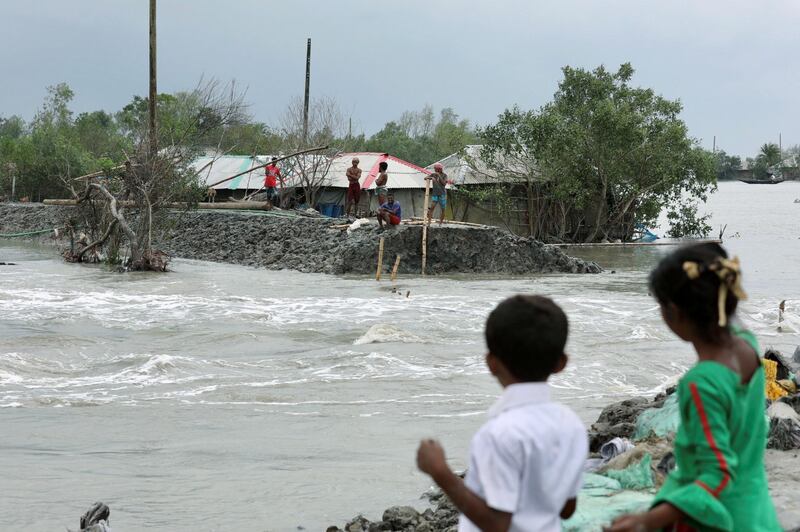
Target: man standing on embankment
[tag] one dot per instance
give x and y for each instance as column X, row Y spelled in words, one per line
column 439, row 193
column 380, row 184
column 272, row 174
column 354, row 187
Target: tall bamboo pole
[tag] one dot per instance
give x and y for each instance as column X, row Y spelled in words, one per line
column 308, row 91
column 425, row 225
column 153, row 86
column 380, row 261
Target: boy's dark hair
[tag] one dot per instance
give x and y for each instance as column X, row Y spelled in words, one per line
column 697, row 298
column 383, row 166
column 528, row 334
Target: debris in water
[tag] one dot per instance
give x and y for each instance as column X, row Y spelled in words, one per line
column 96, row 519
column 781, row 310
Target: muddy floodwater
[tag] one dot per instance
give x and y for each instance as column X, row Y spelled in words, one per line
column 221, row 397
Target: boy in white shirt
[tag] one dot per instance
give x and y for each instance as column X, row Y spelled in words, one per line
column 526, row 462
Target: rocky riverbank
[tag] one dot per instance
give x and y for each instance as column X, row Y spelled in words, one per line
column 317, row 244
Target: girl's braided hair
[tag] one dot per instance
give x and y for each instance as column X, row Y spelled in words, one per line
column 703, row 282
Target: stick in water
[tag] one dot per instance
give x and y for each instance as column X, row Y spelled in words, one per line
column 380, row 261
column 394, row 269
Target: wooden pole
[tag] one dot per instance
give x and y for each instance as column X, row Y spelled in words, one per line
column 153, row 85
column 233, row 205
column 394, row 269
column 253, row 169
column 380, row 261
column 99, row 173
column 308, row 91
column 425, row 225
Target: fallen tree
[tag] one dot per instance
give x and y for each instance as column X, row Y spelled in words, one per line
column 149, row 181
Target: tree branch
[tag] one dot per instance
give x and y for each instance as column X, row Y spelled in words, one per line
column 100, row 241
column 112, row 203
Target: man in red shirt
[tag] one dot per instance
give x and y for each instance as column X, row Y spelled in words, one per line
column 272, row 174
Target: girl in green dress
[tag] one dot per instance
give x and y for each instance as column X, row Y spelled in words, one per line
column 720, row 483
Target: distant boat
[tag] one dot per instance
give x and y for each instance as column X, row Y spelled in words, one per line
column 643, row 235
column 772, row 181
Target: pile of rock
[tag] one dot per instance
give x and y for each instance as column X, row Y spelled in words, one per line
column 618, row 420
column 296, row 241
column 317, row 245
column 443, row 517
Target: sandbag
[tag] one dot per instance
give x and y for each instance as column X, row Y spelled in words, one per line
column 659, row 422
column 773, row 390
column 601, row 501
column 784, row 427
column 636, row 476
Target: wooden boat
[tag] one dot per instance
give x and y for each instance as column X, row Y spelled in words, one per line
column 762, row 181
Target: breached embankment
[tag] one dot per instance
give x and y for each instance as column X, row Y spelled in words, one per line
column 313, row 244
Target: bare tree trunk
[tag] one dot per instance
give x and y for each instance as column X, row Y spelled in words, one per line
column 600, row 210
column 136, row 255
column 100, row 241
column 531, row 214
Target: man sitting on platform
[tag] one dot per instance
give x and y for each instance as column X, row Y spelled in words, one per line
column 389, row 212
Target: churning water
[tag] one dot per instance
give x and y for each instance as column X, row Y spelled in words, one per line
column 220, row 397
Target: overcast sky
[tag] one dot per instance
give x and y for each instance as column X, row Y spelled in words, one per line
column 733, row 63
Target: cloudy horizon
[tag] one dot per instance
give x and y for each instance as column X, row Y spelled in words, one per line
column 730, row 63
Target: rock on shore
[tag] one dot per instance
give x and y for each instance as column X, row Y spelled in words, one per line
column 310, row 244
column 443, row 517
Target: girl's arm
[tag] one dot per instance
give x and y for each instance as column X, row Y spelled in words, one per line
column 659, row 517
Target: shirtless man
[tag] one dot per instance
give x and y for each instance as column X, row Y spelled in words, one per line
column 380, row 184
column 438, row 191
column 354, row 187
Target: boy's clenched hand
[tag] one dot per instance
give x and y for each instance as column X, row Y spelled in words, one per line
column 431, row 459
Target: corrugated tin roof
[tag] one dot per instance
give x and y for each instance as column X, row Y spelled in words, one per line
column 402, row 174
column 468, row 168
column 212, row 169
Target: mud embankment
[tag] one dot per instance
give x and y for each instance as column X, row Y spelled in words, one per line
column 313, row 244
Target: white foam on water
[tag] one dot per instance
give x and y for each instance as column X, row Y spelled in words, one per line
column 641, row 332
column 456, row 415
column 614, row 325
column 381, row 333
